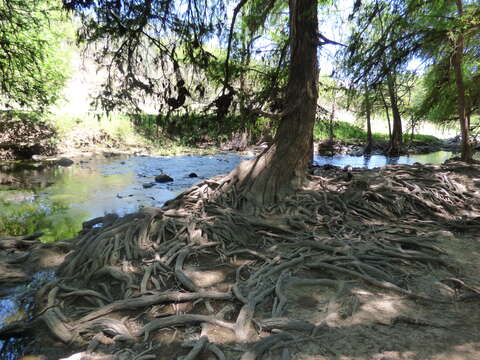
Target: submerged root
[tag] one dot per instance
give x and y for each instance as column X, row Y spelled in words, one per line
column 380, row 228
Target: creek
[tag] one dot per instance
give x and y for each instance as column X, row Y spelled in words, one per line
column 57, row 200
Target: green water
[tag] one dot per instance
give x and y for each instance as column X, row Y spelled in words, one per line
column 40, row 206
column 56, row 200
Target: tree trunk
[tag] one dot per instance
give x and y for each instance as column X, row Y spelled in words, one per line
column 396, row 139
column 368, row 148
column 311, row 154
column 412, row 135
column 282, row 168
column 388, row 115
column 457, row 65
column 331, row 134
column 245, row 63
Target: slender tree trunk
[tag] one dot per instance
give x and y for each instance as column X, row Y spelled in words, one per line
column 282, row 168
column 457, row 65
column 246, row 118
column 331, row 134
column 396, row 139
column 412, row 135
column 311, row 155
column 368, row 148
column 387, row 112
column 245, row 62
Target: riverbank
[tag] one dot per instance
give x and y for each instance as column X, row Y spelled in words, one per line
column 381, row 264
column 349, row 139
column 27, row 135
column 420, row 146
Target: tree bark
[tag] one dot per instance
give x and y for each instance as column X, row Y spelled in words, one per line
column 396, row 139
column 282, row 168
column 368, row 148
column 388, row 115
column 457, row 65
column 331, row 134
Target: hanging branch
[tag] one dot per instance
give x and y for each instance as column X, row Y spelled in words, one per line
column 230, row 37
column 323, row 40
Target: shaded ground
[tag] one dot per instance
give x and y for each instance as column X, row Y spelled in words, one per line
column 23, row 134
column 373, row 264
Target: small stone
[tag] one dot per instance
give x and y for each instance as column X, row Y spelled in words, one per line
column 192, row 175
column 162, row 178
column 33, row 357
column 64, row 162
column 148, row 185
column 38, row 158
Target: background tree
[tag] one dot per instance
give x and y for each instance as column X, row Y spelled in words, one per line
column 440, row 86
column 415, row 29
column 130, row 31
column 33, row 62
column 373, row 57
column 437, row 100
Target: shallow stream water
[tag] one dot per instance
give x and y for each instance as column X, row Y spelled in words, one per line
column 56, row 200
column 374, row 161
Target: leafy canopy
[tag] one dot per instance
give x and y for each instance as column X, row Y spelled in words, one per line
column 33, row 59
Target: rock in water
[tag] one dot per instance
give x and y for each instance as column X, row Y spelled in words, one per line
column 162, row 178
column 64, row 162
column 38, row 157
column 148, row 185
column 192, row 175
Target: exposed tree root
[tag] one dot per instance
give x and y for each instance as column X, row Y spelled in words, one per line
column 182, row 320
column 381, row 228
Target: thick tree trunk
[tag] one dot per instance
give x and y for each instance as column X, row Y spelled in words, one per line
column 396, row 139
column 461, row 106
column 368, row 148
column 282, row 168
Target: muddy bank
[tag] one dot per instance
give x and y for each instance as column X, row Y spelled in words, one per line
column 23, row 256
column 379, row 265
column 23, row 134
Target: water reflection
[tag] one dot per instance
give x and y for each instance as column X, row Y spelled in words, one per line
column 374, row 161
column 57, row 200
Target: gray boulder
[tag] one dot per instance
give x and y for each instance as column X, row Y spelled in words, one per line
column 163, row 178
column 64, row 162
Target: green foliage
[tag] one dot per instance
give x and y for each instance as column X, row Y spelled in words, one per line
column 194, row 129
column 342, row 131
column 437, row 100
column 113, row 130
column 33, row 57
column 348, row 132
column 423, row 139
